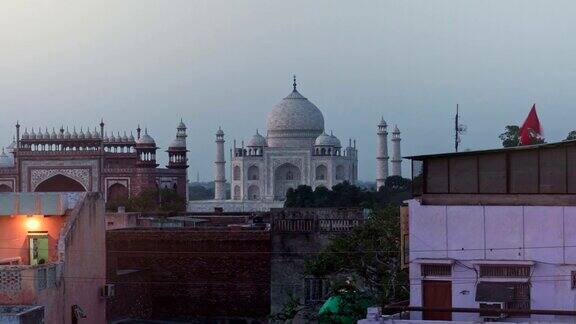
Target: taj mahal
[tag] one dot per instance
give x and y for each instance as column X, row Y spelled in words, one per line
column 296, row 150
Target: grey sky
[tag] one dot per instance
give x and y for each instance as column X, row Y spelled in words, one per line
column 228, row 62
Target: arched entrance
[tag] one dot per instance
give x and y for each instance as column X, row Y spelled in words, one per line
column 253, row 192
column 5, row 188
column 286, row 176
column 59, row 183
column 117, row 192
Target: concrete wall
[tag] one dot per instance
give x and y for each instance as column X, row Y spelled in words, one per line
column 293, row 244
column 544, row 235
column 82, row 246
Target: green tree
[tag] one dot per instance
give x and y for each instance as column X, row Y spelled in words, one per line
column 571, row 135
column 371, row 252
column 511, row 136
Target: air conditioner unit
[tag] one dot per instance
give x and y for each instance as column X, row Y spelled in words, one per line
column 107, row 291
column 490, row 310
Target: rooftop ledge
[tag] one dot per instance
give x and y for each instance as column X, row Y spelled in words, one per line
column 38, row 203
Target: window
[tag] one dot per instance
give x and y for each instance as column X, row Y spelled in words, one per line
column 436, row 270
column 504, row 271
column 289, row 175
column 573, row 275
column 315, row 290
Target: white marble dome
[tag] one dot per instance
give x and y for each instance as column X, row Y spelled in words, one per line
column 5, row 160
column 257, row 141
column 323, row 140
column 294, row 118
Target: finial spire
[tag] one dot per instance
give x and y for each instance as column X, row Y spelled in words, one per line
column 294, row 84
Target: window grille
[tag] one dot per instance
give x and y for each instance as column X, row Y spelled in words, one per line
column 504, row 271
column 436, row 270
column 41, row 281
column 573, row 275
column 521, row 299
column 10, row 280
column 315, row 290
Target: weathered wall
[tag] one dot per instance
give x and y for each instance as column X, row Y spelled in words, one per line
column 299, row 234
column 188, row 274
column 14, row 235
column 544, row 235
column 83, row 242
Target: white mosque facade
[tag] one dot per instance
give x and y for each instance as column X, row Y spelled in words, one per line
column 296, row 150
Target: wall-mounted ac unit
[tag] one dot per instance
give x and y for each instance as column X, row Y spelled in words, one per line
column 490, row 310
column 107, row 291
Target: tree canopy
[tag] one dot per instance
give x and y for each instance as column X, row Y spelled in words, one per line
column 151, row 200
column 395, row 190
column 372, row 253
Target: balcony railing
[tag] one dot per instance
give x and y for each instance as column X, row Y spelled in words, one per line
column 27, row 278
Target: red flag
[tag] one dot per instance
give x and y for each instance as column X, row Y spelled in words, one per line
column 531, row 128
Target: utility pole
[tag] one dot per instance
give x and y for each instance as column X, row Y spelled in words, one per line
column 459, row 129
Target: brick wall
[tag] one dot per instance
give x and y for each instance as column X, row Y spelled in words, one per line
column 188, row 274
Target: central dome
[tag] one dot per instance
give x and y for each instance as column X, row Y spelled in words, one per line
column 294, row 122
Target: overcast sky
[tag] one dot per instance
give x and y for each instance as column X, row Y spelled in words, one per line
column 228, row 62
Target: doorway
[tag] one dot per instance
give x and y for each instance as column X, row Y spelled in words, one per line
column 436, row 294
column 38, row 248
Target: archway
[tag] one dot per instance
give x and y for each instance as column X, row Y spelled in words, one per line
column 59, row 183
column 321, row 172
column 253, row 192
column 253, row 173
column 286, row 176
column 236, row 193
column 340, row 173
column 117, row 192
column 5, row 188
column 237, row 173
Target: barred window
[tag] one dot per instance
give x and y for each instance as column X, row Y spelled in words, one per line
column 504, row 271
column 521, row 299
column 315, row 290
column 436, row 270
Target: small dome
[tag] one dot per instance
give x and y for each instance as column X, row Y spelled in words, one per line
column 53, row 134
column 131, row 137
column 335, row 141
column 74, row 134
column 25, row 135
column 146, row 139
column 323, row 140
column 219, row 131
column 125, row 137
column 106, row 139
column 257, row 141
column 32, row 134
column 67, row 135
column 46, row 135
column 382, row 122
column 88, row 133
column 5, row 160
column 178, row 143
column 112, row 137
column 396, row 130
column 181, row 125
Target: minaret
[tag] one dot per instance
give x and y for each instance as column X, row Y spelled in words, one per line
column 382, row 155
column 220, row 179
column 396, row 155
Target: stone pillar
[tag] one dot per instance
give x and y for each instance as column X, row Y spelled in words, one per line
column 396, row 155
column 381, row 155
column 220, row 178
